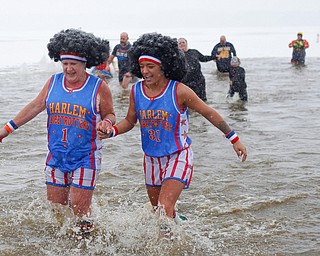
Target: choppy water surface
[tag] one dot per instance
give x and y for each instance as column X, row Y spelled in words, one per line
column 268, row 205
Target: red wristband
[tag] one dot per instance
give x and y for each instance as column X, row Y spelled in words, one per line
column 116, row 131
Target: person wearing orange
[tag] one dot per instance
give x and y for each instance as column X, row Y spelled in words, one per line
column 299, row 45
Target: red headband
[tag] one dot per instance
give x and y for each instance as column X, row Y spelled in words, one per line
column 150, row 58
column 71, row 56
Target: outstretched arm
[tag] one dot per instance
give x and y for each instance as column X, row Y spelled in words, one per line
column 27, row 113
column 203, row 58
column 189, row 99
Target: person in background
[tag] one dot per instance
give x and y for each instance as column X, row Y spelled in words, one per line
column 160, row 102
column 77, row 105
column 299, row 49
column 102, row 71
column 121, row 52
column 222, row 53
column 194, row 77
column 237, row 80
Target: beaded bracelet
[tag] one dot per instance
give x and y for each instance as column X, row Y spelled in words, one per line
column 232, row 137
column 10, row 126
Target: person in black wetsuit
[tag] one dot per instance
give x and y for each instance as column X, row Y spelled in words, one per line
column 194, row 77
column 237, row 80
column 222, row 53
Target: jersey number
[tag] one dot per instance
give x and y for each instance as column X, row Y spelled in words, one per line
column 64, row 135
column 154, row 135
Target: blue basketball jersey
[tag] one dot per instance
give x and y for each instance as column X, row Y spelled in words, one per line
column 72, row 119
column 163, row 125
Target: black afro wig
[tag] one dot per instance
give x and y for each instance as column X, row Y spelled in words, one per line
column 86, row 45
column 164, row 48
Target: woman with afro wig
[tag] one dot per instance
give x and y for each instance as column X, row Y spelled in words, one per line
column 77, row 105
column 160, row 102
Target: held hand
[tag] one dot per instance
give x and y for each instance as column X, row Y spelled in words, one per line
column 240, row 150
column 105, row 135
column 104, row 130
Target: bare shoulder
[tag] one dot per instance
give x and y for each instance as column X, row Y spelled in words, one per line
column 104, row 88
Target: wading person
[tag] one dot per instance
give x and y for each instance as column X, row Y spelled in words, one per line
column 194, row 77
column 299, row 49
column 160, row 103
column 121, row 52
column 77, row 104
column 222, row 53
column 237, row 76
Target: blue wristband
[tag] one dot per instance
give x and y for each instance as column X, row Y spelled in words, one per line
column 12, row 125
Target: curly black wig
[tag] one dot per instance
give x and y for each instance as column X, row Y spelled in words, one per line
column 164, row 48
column 86, row 45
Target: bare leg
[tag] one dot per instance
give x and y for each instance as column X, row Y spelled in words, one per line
column 81, row 201
column 59, row 195
column 169, row 194
column 127, row 78
column 153, row 193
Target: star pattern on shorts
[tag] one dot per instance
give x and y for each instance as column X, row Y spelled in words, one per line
column 185, row 134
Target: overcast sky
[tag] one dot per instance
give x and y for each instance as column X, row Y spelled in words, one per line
column 27, row 25
column 120, row 15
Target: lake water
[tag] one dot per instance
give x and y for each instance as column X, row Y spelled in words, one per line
column 268, row 205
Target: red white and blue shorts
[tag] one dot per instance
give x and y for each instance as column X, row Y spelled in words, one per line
column 81, row 178
column 178, row 166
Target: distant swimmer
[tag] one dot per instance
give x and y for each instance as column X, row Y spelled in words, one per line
column 222, row 54
column 299, row 53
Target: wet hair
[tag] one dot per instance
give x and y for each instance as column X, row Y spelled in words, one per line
column 86, row 45
column 164, row 48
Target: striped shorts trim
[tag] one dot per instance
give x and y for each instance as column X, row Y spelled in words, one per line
column 177, row 166
column 81, row 178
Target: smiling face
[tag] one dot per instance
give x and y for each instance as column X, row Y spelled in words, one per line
column 74, row 71
column 183, row 45
column 151, row 73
